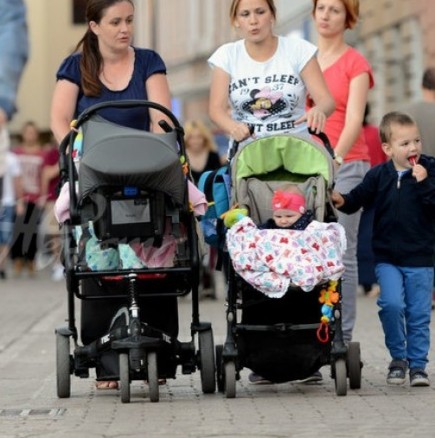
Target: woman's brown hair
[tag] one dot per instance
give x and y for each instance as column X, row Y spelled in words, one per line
column 91, row 60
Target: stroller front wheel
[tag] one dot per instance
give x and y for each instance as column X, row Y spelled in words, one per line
column 153, row 378
column 63, row 366
column 124, row 377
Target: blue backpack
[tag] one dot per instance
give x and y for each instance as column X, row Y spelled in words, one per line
column 216, row 186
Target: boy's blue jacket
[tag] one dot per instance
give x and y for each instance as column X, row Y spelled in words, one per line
column 403, row 228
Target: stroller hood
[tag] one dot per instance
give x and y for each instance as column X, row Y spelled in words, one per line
column 293, row 154
column 114, row 155
column 269, row 163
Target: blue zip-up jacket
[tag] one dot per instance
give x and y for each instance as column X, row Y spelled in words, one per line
column 403, row 228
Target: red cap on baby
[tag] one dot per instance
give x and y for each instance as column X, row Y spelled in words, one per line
column 288, row 201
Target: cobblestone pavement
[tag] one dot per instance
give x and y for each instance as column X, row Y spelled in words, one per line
column 31, row 309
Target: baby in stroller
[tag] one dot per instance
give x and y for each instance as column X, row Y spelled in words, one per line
column 303, row 253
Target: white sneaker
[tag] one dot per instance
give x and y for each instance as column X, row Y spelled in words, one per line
column 57, row 274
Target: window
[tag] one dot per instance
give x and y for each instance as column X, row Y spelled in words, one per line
column 79, row 11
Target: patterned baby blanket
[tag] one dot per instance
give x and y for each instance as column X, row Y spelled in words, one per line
column 273, row 260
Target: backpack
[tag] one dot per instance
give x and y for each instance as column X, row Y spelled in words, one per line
column 216, row 186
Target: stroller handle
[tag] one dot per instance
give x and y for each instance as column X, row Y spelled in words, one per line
column 325, row 140
column 131, row 103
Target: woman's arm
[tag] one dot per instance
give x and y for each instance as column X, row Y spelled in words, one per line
column 319, row 93
column 219, row 110
column 356, row 102
column 63, row 106
column 158, row 91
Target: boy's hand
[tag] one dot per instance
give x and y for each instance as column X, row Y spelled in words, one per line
column 337, row 199
column 419, row 172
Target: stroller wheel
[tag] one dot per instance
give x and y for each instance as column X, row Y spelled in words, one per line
column 153, row 377
column 354, row 365
column 230, row 379
column 219, row 371
column 206, row 352
column 340, row 377
column 124, row 377
column 63, row 366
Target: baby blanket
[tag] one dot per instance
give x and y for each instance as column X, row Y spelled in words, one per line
column 273, row 260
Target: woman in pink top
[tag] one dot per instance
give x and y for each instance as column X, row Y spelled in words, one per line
column 349, row 78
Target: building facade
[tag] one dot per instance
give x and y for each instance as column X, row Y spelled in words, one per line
column 397, row 36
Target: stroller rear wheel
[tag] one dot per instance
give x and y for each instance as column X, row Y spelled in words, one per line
column 230, row 379
column 206, row 353
column 153, row 377
column 219, row 372
column 124, row 377
column 340, row 377
column 63, row 366
column 354, row 365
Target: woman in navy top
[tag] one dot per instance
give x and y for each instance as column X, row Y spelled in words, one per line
column 106, row 67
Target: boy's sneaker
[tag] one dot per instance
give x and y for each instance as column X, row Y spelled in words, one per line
column 397, row 372
column 418, row 377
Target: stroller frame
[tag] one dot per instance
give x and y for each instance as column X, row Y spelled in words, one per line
column 136, row 342
column 344, row 358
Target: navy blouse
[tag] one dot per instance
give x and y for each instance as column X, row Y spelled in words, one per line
column 146, row 63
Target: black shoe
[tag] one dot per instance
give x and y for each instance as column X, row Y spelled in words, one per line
column 2, row 275
column 397, row 372
column 418, row 377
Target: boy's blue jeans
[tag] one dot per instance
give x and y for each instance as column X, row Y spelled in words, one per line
column 405, row 310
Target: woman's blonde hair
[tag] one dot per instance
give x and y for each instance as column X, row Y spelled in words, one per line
column 192, row 125
column 352, row 11
column 235, row 6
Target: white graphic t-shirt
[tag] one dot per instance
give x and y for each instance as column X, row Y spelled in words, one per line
column 268, row 95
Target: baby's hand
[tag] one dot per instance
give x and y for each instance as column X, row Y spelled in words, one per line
column 419, row 172
column 337, row 199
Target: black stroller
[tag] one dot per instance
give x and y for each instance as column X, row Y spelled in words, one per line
column 284, row 339
column 129, row 189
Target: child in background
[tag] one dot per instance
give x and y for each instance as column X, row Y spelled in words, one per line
column 201, row 148
column 202, row 152
column 32, row 160
column 11, row 204
column 402, row 193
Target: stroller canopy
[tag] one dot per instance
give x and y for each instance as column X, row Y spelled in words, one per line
column 290, row 153
column 114, row 155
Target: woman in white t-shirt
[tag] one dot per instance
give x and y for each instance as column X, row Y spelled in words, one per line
column 265, row 78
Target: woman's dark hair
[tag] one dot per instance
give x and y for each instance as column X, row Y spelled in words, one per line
column 91, row 60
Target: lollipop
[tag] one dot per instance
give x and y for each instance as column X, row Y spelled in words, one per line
column 413, row 161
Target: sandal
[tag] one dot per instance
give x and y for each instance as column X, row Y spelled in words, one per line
column 106, row 384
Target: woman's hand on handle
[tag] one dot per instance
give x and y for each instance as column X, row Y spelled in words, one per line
column 240, row 132
column 315, row 118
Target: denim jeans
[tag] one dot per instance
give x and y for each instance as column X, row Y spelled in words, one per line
column 13, row 51
column 405, row 310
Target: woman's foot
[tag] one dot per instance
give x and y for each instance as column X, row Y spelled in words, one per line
column 106, row 384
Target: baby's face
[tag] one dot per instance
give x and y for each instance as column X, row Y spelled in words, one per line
column 285, row 218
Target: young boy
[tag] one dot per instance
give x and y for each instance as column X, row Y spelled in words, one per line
column 402, row 193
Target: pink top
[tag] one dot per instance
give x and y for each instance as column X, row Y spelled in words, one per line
column 338, row 77
column 31, row 166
